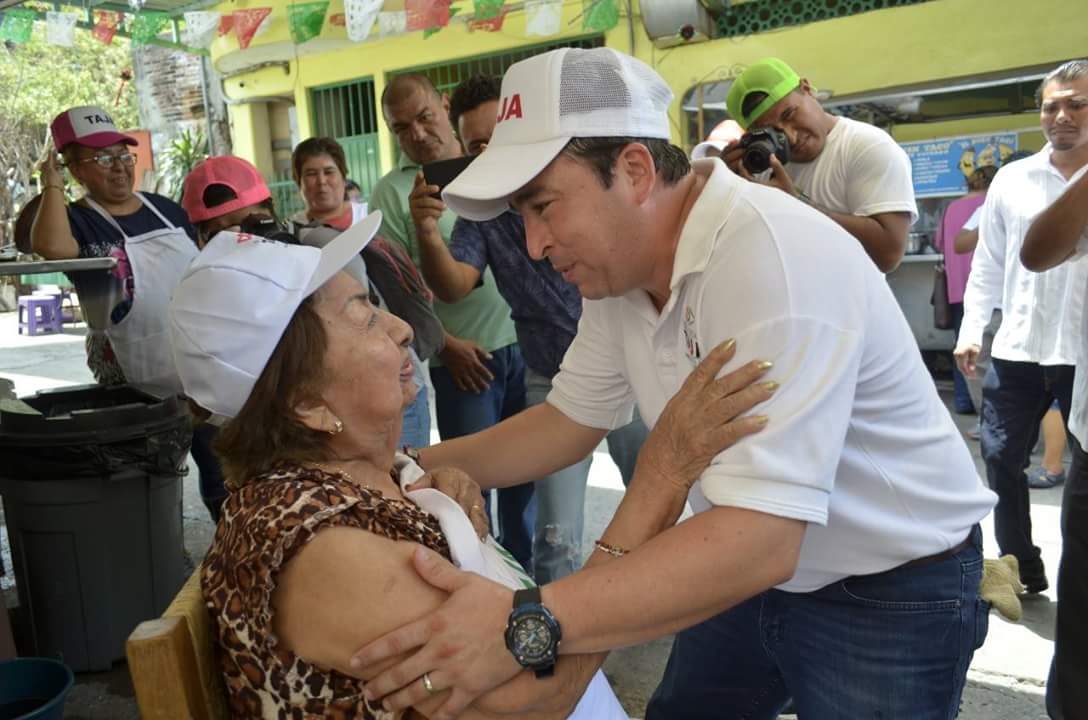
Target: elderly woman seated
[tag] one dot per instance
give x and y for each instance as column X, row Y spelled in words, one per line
column 312, row 556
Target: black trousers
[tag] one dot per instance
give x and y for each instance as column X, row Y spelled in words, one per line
column 1067, row 688
column 1015, row 397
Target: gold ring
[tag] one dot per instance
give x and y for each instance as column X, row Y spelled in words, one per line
column 428, row 685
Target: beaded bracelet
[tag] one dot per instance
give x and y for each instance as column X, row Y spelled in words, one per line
column 610, row 549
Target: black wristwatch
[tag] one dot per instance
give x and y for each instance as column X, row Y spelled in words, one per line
column 533, row 634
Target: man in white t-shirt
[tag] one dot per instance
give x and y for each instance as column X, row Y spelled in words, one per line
column 1038, row 344
column 851, row 171
column 1058, row 234
column 835, row 556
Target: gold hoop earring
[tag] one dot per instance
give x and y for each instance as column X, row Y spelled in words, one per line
column 337, row 429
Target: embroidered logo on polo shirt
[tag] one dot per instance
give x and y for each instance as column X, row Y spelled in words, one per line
column 691, row 337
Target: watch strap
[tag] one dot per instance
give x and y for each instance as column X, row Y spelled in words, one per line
column 527, row 596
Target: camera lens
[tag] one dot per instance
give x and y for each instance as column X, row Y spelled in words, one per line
column 757, row 158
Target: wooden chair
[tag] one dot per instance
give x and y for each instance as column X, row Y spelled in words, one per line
column 173, row 664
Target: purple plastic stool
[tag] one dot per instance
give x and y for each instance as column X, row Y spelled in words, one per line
column 38, row 314
column 60, row 295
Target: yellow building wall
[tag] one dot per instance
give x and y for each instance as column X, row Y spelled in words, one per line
column 251, row 135
column 895, row 47
column 332, row 58
column 887, row 49
column 279, row 123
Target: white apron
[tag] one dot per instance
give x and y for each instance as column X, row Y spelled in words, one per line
column 489, row 559
column 141, row 340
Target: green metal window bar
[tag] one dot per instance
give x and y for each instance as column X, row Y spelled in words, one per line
column 348, row 113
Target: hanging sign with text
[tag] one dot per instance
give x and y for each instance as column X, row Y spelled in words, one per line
column 942, row 166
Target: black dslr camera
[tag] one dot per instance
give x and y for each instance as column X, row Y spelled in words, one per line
column 759, row 145
column 267, row 227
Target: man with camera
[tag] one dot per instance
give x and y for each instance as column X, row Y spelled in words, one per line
column 850, row 171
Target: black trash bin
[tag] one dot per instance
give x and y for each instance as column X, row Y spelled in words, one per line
column 91, row 484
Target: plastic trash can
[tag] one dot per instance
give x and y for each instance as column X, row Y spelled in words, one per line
column 33, row 689
column 90, row 478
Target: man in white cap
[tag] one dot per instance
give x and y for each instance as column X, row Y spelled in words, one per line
column 835, row 556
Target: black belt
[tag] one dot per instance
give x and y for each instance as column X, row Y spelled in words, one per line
column 930, row 559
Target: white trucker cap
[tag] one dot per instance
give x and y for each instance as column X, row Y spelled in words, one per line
column 235, row 301
column 546, row 101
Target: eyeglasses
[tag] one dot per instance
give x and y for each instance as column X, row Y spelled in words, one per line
column 106, row 160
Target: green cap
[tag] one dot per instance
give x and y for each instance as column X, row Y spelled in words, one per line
column 769, row 75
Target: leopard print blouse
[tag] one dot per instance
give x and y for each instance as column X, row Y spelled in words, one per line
column 263, row 525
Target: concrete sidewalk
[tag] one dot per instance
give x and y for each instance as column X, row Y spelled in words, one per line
column 1006, row 680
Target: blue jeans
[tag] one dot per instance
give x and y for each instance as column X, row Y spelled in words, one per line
column 895, row 645
column 463, row 413
column 560, row 505
column 961, row 395
column 561, row 496
column 1015, row 396
column 415, row 429
column 212, row 490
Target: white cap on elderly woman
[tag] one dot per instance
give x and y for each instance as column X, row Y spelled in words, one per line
column 547, row 100
column 235, row 301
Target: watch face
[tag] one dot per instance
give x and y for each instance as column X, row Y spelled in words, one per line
column 532, row 639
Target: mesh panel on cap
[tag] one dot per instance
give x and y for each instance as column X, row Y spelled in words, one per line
column 588, row 84
column 605, row 93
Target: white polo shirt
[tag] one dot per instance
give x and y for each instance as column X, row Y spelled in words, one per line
column 860, row 171
column 859, row 445
column 1041, row 312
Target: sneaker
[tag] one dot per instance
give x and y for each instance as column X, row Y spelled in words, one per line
column 973, row 433
column 1041, row 479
